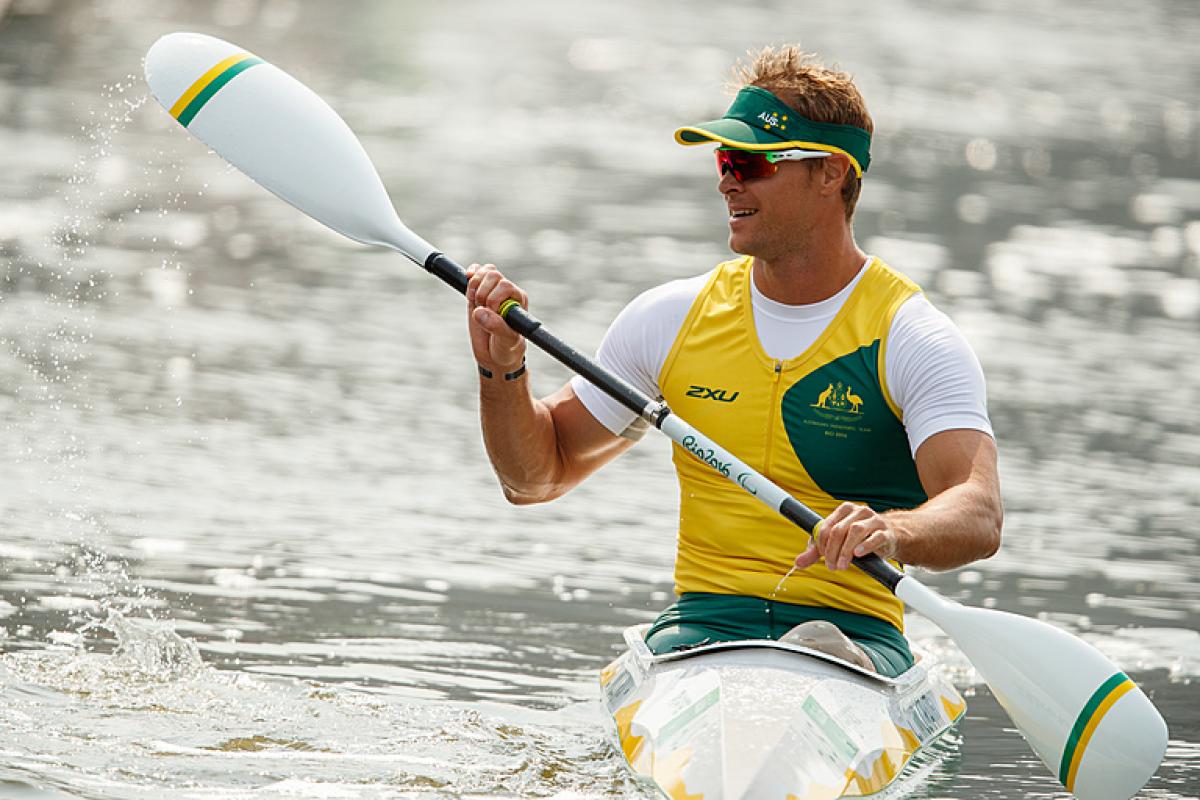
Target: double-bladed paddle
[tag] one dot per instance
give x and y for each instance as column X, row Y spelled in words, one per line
column 1091, row 725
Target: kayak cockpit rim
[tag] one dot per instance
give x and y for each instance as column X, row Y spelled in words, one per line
column 635, row 640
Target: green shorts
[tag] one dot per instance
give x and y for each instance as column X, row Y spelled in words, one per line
column 700, row 618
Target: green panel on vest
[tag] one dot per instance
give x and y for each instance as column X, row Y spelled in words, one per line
column 847, row 437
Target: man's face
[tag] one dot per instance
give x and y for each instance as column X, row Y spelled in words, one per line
column 774, row 215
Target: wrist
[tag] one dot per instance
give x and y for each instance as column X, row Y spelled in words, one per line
column 901, row 535
column 510, row 373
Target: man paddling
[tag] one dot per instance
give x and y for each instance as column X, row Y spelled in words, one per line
column 818, row 365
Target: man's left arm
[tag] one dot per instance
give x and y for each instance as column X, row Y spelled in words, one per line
column 960, row 522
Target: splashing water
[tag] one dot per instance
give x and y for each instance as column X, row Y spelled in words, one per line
column 149, row 649
column 779, row 586
column 175, row 724
column 146, row 653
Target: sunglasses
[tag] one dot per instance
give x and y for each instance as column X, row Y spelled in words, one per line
column 751, row 164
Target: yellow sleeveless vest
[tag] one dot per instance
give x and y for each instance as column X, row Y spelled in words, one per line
column 821, row 425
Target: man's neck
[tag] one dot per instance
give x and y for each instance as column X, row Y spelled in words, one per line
column 810, row 274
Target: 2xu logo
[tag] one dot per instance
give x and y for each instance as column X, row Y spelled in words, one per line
column 705, row 393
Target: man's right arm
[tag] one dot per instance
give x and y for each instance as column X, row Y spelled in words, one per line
column 540, row 449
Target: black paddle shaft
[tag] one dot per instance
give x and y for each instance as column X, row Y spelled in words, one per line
column 524, row 323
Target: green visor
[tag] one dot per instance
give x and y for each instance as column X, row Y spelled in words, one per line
column 758, row 120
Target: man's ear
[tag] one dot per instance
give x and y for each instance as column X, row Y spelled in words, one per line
column 833, row 174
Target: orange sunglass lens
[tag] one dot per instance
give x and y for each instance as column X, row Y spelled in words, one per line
column 743, row 164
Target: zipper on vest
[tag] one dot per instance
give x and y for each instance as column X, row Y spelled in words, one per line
column 773, row 411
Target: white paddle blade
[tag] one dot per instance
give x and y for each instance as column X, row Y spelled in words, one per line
column 1091, row 725
column 280, row 133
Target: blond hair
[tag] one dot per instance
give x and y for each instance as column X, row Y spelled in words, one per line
column 813, row 91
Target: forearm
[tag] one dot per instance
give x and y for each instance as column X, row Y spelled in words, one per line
column 958, row 526
column 539, row 449
column 519, row 434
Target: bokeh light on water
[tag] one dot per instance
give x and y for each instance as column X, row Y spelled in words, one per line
column 223, row 421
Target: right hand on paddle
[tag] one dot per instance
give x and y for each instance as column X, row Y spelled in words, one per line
column 851, row 530
column 496, row 346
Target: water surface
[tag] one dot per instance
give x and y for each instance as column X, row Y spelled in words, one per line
column 223, row 421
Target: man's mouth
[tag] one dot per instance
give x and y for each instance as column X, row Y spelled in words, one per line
column 741, row 213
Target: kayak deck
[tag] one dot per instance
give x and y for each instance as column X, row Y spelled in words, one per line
column 762, row 719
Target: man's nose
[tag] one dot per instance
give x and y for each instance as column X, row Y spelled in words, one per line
column 728, row 182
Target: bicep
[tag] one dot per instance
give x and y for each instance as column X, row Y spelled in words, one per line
column 954, row 457
column 964, row 515
column 584, row 443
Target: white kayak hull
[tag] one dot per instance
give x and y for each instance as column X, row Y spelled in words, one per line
column 764, row 720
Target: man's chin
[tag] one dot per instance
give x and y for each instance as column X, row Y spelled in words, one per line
column 739, row 245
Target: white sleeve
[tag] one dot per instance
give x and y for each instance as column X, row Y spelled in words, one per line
column 933, row 374
column 635, row 348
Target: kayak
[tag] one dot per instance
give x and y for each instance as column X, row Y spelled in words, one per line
column 763, row 719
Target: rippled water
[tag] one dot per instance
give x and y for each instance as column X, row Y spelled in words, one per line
column 249, row 542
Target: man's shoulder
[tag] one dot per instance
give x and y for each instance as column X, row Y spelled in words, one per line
column 918, row 317
column 927, row 333
column 894, row 276
column 915, row 313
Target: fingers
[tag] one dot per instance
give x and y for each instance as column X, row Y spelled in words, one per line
column 809, row 557
column 833, row 533
column 492, row 322
column 851, row 530
column 494, row 344
column 879, row 541
column 488, row 288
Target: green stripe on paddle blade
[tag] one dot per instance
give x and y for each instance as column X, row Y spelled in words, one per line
column 214, row 86
column 1085, row 716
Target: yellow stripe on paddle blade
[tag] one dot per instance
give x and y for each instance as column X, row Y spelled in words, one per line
column 203, row 81
column 1093, row 723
